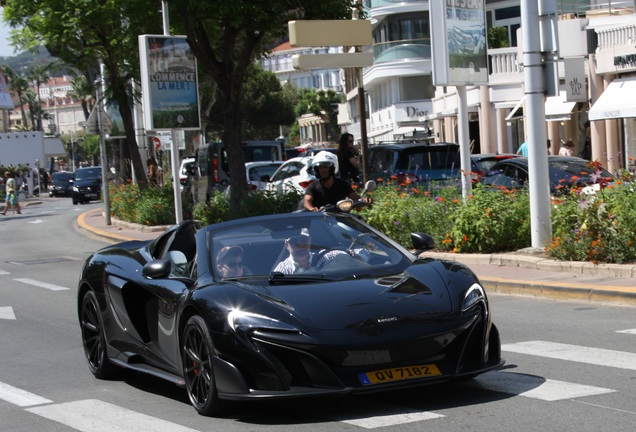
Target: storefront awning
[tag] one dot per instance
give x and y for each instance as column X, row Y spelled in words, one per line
column 557, row 108
column 617, row 101
column 513, row 112
column 409, row 131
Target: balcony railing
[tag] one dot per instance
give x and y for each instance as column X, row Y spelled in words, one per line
column 369, row 4
column 401, row 50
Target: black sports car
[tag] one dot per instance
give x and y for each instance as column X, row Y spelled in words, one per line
column 225, row 312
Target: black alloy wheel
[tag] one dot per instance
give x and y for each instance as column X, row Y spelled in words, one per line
column 93, row 338
column 196, row 355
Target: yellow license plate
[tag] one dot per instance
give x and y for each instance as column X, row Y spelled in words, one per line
column 398, row 374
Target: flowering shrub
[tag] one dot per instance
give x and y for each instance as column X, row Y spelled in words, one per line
column 155, row 206
column 598, row 228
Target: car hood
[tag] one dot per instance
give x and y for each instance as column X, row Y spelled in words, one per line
column 419, row 293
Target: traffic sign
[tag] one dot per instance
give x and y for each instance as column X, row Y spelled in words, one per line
column 91, row 124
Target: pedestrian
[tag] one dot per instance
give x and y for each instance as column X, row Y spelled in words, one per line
column 567, row 149
column 348, row 159
column 11, row 190
column 586, row 153
column 523, row 149
column 153, row 171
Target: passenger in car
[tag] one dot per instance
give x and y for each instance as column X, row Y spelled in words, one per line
column 229, row 261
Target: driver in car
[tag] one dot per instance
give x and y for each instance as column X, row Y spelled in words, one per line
column 327, row 189
column 300, row 258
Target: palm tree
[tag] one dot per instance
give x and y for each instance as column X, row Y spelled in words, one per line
column 40, row 75
column 18, row 85
column 83, row 90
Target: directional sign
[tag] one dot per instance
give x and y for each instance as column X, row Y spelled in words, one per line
column 91, row 124
column 322, row 61
column 320, row 33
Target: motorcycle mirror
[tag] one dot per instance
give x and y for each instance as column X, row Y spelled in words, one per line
column 370, row 186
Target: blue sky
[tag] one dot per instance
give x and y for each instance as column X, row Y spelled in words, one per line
column 5, row 49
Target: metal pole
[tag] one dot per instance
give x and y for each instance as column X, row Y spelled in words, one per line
column 464, row 141
column 540, row 221
column 102, row 147
column 364, row 144
column 73, row 149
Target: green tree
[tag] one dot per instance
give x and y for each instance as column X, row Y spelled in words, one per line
column 265, row 106
column 227, row 36
column 84, row 34
column 320, row 103
column 18, row 85
column 83, row 90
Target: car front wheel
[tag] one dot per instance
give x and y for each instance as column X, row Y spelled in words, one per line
column 93, row 338
column 196, row 354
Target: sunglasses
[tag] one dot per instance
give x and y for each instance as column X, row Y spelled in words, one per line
column 299, row 240
column 234, row 264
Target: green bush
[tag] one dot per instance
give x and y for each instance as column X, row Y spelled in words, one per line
column 598, row 228
column 155, row 206
column 491, row 221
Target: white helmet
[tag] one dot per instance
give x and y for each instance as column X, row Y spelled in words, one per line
column 325, row 158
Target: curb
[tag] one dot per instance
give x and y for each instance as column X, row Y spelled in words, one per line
column 624, row 271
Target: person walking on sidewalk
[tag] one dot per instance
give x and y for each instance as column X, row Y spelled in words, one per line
column 11, row 190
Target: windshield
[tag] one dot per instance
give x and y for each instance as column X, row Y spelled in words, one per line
column 326, row 247
column 62, row 176
column 88, row 173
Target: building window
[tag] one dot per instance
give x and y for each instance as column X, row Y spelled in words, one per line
column 416, row 88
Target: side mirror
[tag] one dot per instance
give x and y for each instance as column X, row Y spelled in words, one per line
column 422, row 242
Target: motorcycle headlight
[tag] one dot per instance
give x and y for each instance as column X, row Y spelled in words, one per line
column 241, row 321
column 345, row 205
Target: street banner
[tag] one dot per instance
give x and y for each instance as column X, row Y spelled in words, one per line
column 169, row 83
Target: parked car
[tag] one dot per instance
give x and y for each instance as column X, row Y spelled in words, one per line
column 308, row 151
column 87, row 185
column 415, row 162
column 376, row 318
column 61, row 184
column 258, row 174
column 481, row 164
column 293, row 175
column 565, row 173
column 188, row 164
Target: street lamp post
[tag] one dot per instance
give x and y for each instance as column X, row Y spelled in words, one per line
column 73, row 149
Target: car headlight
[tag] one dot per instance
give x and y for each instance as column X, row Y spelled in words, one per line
column 75, row 189
column 241, row 321
column 474, row 295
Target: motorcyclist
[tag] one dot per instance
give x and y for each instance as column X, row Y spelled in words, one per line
column 327, row 189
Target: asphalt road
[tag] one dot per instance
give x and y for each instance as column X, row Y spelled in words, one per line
column 570, row 366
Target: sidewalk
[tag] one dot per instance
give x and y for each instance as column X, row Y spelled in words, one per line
column 527, row 272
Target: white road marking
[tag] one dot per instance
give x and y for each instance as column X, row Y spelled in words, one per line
column 96, row 416
column 42, row 284
column 630, row 331
column 575, row 353
column 404, row 416
column 37, row 221
column 6, row 312
column 20, row 397
column 2, row 272
column 534, row 387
